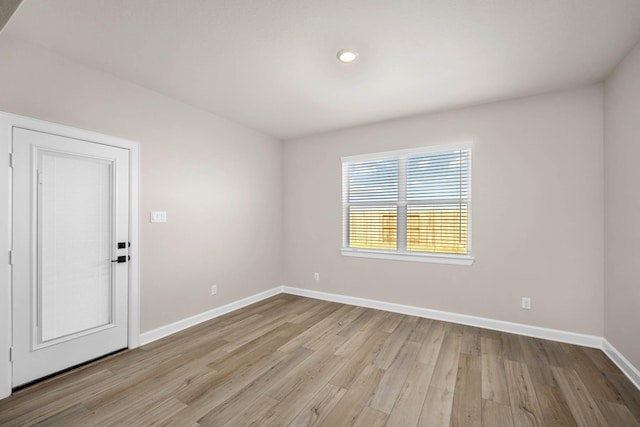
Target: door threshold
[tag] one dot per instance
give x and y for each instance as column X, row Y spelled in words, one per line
column 65, row 371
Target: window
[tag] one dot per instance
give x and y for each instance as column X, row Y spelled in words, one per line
column 411, row 204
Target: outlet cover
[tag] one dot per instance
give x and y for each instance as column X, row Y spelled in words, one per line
column 158, row 216
column 526, row 303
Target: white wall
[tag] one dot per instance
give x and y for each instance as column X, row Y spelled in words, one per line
column 622, row 207
column 220, row 183
column 537, row 183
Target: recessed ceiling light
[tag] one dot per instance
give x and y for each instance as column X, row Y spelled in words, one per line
column 347, row 55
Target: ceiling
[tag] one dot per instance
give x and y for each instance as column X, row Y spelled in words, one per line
column 271, row 65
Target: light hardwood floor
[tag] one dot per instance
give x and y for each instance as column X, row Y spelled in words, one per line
column 296, row 361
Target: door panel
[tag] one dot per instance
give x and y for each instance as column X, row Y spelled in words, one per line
column 70, row 208
column 74, row 244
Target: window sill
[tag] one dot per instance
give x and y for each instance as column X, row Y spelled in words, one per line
column 431, row 258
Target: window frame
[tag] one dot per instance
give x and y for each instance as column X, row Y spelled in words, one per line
column 402, row 254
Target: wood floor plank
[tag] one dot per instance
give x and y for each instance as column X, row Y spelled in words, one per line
column 557, row 352
column 510, row 347
column 600, row 360
column 61, row 400
column 467, row 398
column 370, row 417
column 537, row 360
column 232, row 374
column 307, row 306
column 444, row 377
column 300, row 386
column 243, row 336
column 494, row 380
column 247, row 364
column 496, row 414
column 628, row 392
column 555, row 409
column 385, row 396
column 177, row 369
column 290, row 360
column 204, row 395
column 249, row 415
column 64, row 417
column 490, row 333
column 354, row 322
column 318, row 311
column 154, row 397
column 270, row 306
column 300, row 394
column 432, row 343
column 583, row 408
column 353, row 344
column 319, row 407
column 319, row 326
column 619, row 415
column 471, row 341
column 23, row 409
column 224, row 412
column 421, row 330
column 391, row 322
column 438, row 404
column 357, row 361
column 408, row 407
column 152, row 411
column 436, row 411
column 211, row 330
column 357, row 340
column 339, row 324
column 354, row 400
column 525, row 407
column 392, row 346
column 313, row 369
column 594, row 380
column 259, row 347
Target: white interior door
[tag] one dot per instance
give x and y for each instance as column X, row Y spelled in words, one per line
column 70, row 250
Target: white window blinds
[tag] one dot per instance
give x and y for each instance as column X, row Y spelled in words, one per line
column 408, row 202
column 372, row 196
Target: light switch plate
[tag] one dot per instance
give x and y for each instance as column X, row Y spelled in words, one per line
column 158, row 216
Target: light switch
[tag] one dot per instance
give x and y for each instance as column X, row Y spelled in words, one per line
column 158, row 216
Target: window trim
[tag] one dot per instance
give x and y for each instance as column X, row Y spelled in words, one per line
column 456, row 259
column 401, row 256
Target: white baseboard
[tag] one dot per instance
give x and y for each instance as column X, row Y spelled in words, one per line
column 172, row 328
column 480, row 322
column 625, row 366
column 515, row 328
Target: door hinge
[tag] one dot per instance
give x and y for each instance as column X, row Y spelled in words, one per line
column 10, row 257
column 10, row 354
column 10, row 160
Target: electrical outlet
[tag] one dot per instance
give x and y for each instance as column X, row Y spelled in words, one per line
column 214, row 289
column 316, row 276
column 526, row 303
column 158, row 216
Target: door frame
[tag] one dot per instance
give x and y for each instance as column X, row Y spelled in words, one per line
column 7, row 123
